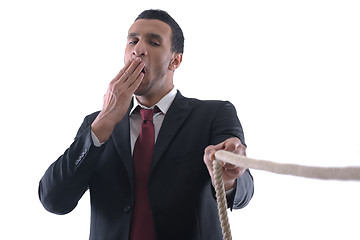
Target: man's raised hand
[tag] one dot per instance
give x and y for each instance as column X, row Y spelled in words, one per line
column 117, row 99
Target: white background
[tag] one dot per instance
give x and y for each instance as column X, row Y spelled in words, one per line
column 291, row 68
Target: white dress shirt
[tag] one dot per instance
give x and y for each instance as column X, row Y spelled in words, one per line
column 136, row 119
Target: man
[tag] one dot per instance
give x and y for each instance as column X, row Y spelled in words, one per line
column 171, row 196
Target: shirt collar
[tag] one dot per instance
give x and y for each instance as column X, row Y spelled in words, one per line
column 164, row 104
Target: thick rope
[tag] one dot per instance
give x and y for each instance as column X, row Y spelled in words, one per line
column 221, row 200
column 334, row 173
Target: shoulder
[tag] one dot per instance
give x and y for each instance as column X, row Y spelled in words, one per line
column 195, row 103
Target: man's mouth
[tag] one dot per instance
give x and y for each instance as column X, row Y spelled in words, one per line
column 143, row 70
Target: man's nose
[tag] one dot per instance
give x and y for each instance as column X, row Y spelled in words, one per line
column 139, row 50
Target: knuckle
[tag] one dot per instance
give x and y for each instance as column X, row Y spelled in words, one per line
column 237, row 171
column 208, row 148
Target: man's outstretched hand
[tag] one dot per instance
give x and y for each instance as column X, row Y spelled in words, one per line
column 230, row 172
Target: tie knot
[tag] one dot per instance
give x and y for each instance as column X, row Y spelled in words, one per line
column 147, row 114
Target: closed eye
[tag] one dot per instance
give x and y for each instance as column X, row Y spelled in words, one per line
column 133, row 42
column 155, row 44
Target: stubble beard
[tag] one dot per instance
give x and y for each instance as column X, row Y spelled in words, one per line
column 147, row 84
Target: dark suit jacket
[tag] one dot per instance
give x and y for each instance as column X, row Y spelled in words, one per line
column 180, row 190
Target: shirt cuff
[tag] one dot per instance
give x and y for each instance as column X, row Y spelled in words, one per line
column 95, row 140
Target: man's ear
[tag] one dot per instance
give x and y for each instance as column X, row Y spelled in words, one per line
column 175, row 61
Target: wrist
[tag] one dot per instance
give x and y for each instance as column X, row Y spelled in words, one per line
column 102, row 129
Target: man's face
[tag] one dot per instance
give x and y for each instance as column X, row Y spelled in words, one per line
column 151, row 41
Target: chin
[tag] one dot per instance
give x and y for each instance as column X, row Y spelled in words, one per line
column 142, row 90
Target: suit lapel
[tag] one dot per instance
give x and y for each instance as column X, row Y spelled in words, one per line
column 121, row 138
column 174, row 118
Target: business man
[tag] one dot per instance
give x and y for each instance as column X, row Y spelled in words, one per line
column 146, row 157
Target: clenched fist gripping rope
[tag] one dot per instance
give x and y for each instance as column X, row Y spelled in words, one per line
column 329, row 173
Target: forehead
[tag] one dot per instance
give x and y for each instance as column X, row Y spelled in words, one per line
column 146, row 27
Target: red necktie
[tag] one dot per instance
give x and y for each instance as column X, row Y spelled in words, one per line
column 142, row 226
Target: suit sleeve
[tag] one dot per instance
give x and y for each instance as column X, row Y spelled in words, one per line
column 227, row 125
column 66, row 180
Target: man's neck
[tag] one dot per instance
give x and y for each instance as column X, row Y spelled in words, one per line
column 149, row 101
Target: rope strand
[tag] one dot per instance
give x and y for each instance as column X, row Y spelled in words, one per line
column 221, row 200
column 334, row 173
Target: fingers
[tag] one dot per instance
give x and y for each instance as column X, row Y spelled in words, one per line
column 232, row 174
column 231, row 144
column 122, row 71
column 130, row 72
column 210, row 150
column 234, row 145
column 230, row 171
column 209, row 155
column 136, row 83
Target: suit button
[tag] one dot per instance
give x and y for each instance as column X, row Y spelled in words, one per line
column 127, row 208
column 77, row 161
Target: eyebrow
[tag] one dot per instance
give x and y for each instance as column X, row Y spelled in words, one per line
column 149, row 35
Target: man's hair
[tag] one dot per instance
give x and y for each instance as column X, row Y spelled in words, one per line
column 177, row 43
